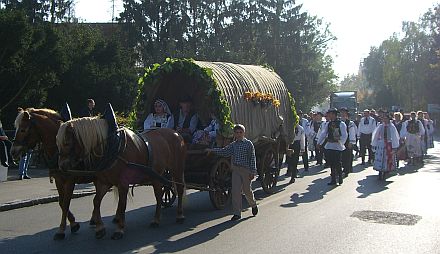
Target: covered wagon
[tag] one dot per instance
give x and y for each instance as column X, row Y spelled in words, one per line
column 254, row 96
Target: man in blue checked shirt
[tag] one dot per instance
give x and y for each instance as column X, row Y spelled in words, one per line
column 244, row 169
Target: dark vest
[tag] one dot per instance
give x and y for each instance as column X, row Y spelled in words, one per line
column 398, row 126
column 413, row 127
column 334, row 131
column 316, row 126
column 186, row 122
column 347, row 122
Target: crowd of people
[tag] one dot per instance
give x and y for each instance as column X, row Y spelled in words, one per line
column 334, row 138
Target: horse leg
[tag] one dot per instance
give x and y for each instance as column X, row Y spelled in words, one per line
column 180, row 192
column 120, row 213
column 59, row 183
column 68, row 187
column 157, row 186
column 180, row 186
column 93, row 218
column 101, row 190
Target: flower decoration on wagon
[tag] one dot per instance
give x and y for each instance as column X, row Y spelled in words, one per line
column 263, row 99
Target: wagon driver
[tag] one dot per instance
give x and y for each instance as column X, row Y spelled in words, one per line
column 244, row 169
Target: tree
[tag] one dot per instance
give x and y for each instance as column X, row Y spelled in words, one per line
column 30, row 61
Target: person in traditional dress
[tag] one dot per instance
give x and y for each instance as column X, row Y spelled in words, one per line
column 208, row 135
column 347, row 154
column 374, row 115
column 365, row 131
column 397, row 121
column 315, row 126
column 422, row 119
column 305, row 156
column 336, row 136
column 299, row 147
column 429, row 130
column 310, row 135
column 356, row 146
column 385, row 143
column 185, row 121
column 322, row 146
column 412, row 132
column 160, row 118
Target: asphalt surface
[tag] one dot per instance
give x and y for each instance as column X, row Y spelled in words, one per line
column 364, row 215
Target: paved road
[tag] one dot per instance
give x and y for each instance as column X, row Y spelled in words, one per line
column 364, row 215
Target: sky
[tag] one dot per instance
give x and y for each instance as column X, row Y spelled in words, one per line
column 357, row 24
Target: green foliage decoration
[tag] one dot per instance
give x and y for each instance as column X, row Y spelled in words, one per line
column 292, row 106
column 203, row 76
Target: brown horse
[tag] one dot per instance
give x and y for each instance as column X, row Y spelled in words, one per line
column 41, row 126
column 81, row 143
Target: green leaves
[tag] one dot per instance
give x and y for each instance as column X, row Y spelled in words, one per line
column 154, row 75
column 399, row 71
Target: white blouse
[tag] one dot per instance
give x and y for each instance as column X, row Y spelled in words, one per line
column 154, row 121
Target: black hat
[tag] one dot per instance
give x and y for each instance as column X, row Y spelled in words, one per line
column 333, row 110
column 344, row 109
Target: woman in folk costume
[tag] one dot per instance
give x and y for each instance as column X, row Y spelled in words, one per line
column 385, row 141
column 160, row 118
column 429, row 130
column 412, row 131
column 422, row 119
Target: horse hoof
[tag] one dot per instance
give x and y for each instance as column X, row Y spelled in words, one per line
column 75, row 228
column 115, row 220
column 100, row 234
column 154, row 225
column 180, row 220
column 117, row 235
column 59, row 236
column 92, row 223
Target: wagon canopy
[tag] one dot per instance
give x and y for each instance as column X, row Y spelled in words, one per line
column 254, row 96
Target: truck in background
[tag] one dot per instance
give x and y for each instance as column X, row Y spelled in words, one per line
column 345, row 99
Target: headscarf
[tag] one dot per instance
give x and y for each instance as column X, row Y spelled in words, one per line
column 166, row 109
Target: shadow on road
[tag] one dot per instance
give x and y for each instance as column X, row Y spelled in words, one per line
column 315, row 191
column 370, row 185
column 138, row 234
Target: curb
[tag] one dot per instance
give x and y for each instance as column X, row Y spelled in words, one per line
column 39, row 201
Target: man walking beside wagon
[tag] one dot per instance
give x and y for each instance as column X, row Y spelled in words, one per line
column 244, row 169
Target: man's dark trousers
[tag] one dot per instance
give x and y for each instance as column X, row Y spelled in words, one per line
column 365, row 144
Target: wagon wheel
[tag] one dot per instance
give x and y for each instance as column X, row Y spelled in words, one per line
column 168, row 192
column 269, row 171
column 220, row 180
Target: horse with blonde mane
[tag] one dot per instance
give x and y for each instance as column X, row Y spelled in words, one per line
column 34, row 126
column 82, row 142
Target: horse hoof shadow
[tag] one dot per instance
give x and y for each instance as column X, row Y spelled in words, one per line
column 100, row 234
column 180, row 220
column 92, row 223
column 75, row 228
column 59, row 236
column 154, row 225
column 117, row 235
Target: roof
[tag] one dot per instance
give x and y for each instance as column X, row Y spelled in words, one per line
column 234, row 80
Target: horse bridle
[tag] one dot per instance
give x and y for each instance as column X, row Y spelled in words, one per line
column 23, row 142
